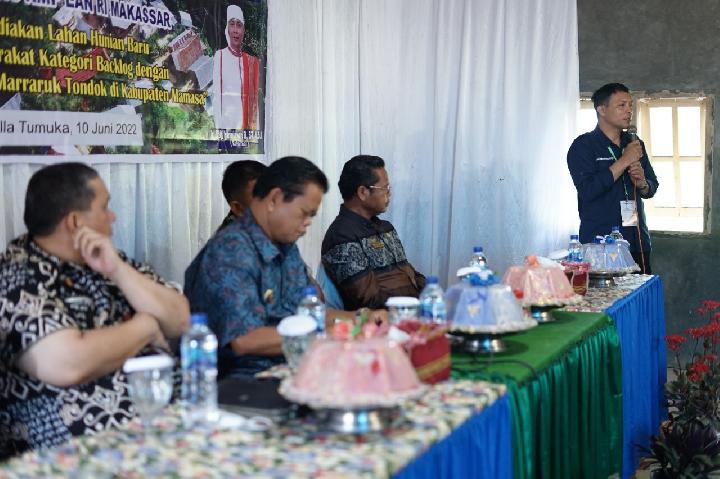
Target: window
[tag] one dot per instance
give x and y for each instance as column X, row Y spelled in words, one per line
column 586, row 116
column 674, row 132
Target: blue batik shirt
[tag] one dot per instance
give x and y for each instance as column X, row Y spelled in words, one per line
column 244, row 281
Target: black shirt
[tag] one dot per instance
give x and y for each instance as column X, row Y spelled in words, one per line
column 599, row 196
column 366, row 261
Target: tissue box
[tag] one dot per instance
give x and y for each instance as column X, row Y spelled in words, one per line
column 428, row 349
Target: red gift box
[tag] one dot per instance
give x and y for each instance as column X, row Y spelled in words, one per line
column 429, row 350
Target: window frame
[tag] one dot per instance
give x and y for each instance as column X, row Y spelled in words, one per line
column 641, row 109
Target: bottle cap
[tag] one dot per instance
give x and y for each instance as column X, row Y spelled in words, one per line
column 574, row 237
column 432, row 280
column 477, row 249
column 198, row 318
column 310, row 291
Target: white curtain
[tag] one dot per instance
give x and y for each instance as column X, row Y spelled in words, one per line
column 471, row 103
column 165, row 211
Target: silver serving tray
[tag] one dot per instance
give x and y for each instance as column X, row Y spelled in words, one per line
column 542, row 313
column 602, row 279
column 359, row 421
column 477, row 343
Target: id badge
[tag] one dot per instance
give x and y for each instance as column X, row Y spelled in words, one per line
column 628, row 211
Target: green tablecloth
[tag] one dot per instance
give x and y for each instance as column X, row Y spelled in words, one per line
column 565, row 389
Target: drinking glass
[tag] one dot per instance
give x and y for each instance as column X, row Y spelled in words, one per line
column 151, row 385
column 298, row 333
column 401, row 308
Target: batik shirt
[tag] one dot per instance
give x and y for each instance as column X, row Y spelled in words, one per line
column 244, row 281
column 366, row 261
column 229, row 218
column 39, row 295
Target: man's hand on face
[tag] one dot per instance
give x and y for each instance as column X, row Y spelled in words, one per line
column 97, row 250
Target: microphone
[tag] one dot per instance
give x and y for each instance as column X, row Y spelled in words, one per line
column 632, row 131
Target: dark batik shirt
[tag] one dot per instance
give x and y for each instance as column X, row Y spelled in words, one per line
column 244, row 281
column 39, row 295
column 366, row 261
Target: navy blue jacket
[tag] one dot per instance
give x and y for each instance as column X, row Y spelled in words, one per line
column 599, row 196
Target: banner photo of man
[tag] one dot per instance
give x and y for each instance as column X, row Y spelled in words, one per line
column 132, row 77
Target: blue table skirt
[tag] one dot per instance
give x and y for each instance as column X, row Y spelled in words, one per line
column 640, row 322
column 480, row 448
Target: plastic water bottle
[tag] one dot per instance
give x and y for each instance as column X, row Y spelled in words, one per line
column 432, row 302
column 478, row 258
column 616, row 235
column 574, row 249
column 311, row 306
column 198, row 350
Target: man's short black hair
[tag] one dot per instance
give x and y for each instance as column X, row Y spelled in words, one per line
column 237, row 175
column 290, row 174
column 53, row 192
column 359, row 171
column 602, row 95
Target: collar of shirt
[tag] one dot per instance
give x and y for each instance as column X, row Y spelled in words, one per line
column 602, row 138
column 26, row 243
column 267, row 249
column 348, row 213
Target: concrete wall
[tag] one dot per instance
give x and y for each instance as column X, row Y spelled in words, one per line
column 654, row 46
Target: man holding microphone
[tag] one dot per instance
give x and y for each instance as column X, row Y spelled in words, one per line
column 612, row 174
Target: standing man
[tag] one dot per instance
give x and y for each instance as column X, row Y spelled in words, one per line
column 612, row 175
column 72, row 310
column 236, row 79
column 361, row 253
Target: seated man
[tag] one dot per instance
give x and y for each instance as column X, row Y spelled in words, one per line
column 361, row 253
column 72, row 310
column 237, row 186
column 250, row 275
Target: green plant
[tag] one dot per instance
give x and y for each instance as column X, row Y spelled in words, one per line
column 688, row 446
column 685, row 450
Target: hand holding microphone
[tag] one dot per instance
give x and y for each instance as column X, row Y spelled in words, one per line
column 633, row 151
column 636, row 171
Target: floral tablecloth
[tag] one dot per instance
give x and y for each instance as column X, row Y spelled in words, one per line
column 296, row 449
column 599, row 299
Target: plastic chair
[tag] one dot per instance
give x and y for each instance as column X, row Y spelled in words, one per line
column 332, row 296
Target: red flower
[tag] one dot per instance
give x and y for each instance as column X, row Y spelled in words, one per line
column 697, row 370
column 694, row 332
column 674, row 341
column 710, row 305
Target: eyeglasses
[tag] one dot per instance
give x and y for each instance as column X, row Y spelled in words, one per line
column 384, row 188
